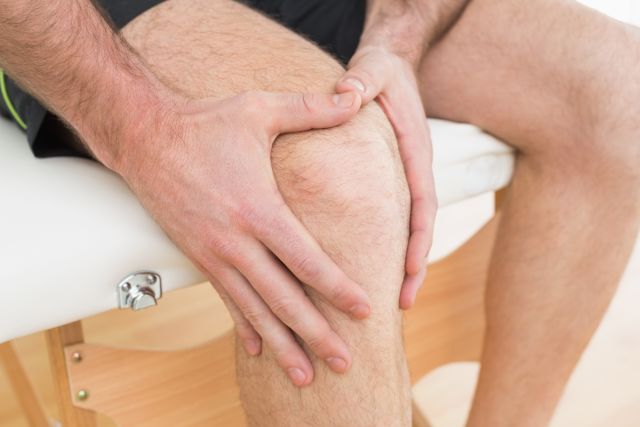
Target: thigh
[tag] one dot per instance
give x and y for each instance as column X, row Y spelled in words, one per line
column 346, row 184
column 534, row 73
column 220, row 48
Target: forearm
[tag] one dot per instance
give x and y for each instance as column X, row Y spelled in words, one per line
column 68, row 56
column 408, row 27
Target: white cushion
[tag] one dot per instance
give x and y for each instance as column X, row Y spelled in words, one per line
column 71, row 230
column 467, row 161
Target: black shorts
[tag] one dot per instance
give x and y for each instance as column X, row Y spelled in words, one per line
column 335, row 25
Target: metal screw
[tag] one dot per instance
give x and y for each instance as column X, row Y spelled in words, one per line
column 82, row 394
column 76, row 356
column 151, row 279
column 126, row 286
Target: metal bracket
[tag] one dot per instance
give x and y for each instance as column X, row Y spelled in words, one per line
column 139, row 290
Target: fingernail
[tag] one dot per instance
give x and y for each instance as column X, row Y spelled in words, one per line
column 297, row 376
column 252, row 347
column 360, row 311
column 356, row 84
column 344, row 100
column 337, row 364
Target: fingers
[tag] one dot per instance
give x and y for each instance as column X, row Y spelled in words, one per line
column 421, row 228
column 367, row 75
column 249, row 338
column 288, row 353
column 410, row 288
column 290, row 241
column 298, row 112
column 373, row 74
column 286, row 298
column 414, row 145
column 417, row 163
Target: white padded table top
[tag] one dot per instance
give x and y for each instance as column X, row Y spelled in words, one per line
column 70, row 230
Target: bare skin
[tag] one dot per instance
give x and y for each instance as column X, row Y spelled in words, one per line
column 345, row 184
column 575, row 195
column 546, row 297
column 233, row 224
column 563, row 92
column 213, row 190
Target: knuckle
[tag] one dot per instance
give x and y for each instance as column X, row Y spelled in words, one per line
column 320, row 338
column 285, row 355
column 285, row 308
column 274, row 221
column 340, row 293
column 308, row 268
column 255, row 315
column 367, row 76
column 244, row 330
column 224, row 248
column 307, row 102
column 247, row 214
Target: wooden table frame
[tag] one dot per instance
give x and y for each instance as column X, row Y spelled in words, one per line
column 139, row 388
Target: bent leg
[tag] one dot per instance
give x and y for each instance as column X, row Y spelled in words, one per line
column 345, row 184
column 558, row 81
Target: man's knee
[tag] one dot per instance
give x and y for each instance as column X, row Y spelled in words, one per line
column 350, row 177
column 347, row 186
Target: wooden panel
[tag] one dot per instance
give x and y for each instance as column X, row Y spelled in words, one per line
column 140, row 388
column 184, row 319
column 22, row 388
column 499, row 197
column 57, row 339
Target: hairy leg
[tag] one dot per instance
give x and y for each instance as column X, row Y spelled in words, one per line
column 346, row 185
column 558, row 81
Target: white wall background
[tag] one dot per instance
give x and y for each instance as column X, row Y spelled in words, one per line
column 624, row 10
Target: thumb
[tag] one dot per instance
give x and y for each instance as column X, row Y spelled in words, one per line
column 298, row 112
column 366, row 76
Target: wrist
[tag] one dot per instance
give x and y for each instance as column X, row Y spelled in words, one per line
column 403, row 30
column 123, row 121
